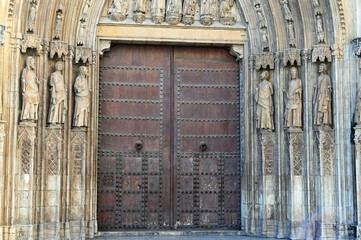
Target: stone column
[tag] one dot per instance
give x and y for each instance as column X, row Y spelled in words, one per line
column 77, row 183
column 358, row 178
column 25, row 176
column 53, row 156
column 298, row 182
column 328, row 183
column 2, row 173
column 269, row 174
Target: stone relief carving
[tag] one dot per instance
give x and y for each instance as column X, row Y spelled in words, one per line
column 327, row 145
column 237, row 51
column 265, row 109
column 84, row 13
column 118, row 10
column 265, row 60
column 78, row 143
column 158, row 11
column 189, row 9
column 30, row 41
column 57, row 108
column 53, row 150
column 293, row 110
column 58, row 25
column 292, row 56
column 81, row 33
column 265, row 41
column 290, row 24
column 337, row 51
column 322, row 53
column 104, row 46
column 261, row 18
column 84, row 54
column 31, row 17
column 58, row 47
column 82, row 99
column 322, row 101
column 139, row 10
column 320, row 32
column 297, row 152
column 174, row 11
column 2, row 34
column 358, row 108
column 30, row 92
column 208, row 11
column 225, row 12
column 262, row 26
column 267, row 143
column 26, row 138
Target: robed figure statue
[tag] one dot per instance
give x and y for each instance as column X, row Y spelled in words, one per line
column 322, row 101
column 82, row 99
column 264, row 101
column 293, row 112
column 57, row 108
column 30, row 91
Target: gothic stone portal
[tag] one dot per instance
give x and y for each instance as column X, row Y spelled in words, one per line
column 169, row 152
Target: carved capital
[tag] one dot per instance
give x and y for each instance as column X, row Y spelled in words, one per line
column 265, row 60
column 337, row 51
column 58, row 47
column 31, row 41
column 321, row 53
column 292, row 56
column 104, row 46
column 84, row 54
column 357, row 47
column 237, row 51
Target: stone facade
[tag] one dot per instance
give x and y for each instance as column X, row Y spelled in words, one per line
column 300, row 175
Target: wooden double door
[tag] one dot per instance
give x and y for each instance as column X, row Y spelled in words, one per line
column 169, row 154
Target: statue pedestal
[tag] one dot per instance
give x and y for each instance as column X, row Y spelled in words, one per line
column 297, row 184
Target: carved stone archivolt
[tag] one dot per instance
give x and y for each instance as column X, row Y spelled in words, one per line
column 30, row 92
column 293, row 110
column 82, row 99
column 322, row 100
column 264, row 100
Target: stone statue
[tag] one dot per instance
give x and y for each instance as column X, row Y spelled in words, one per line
column 189, row 9
column 174, row 11
column 320, row 32
column 225, row 11
column 264, row 101
column 158, row 11
column 265, row 43
column 81, row 35
column 139, row 10
column 58, row 25
column 358, row 108
column 30, row 91
column 118, row 11
column 82, row 99
column 57, row 108
column 322, row 101
column 293, row 111
column 31, row 17
column 208, row 11
column 291, row 34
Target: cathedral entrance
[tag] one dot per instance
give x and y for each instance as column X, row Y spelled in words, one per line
column 169, row 139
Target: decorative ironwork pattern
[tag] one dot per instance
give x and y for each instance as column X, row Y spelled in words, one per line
column 139, row 216
column 213, row 186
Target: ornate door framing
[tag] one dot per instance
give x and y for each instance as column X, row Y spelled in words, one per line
column 204, row 134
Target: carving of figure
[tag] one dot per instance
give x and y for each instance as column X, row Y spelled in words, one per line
column 262, row 22
column 265, row 44
column 118, row 11
column 32, row 17
column 320, row 33
column 358, row 107
column 322, row 99
column 316, row 3
column 174, row 11
column 139, row 6
column 158, row 11
column 57, row 108
column 189, row 9
column 58, row 25
column 208, row 11
column 81, row 36
column 85, row 10
column 225, row 12
column 293, row 112
column 82, row 99
column 30, row 91
column 291, row 34
column 264, row 101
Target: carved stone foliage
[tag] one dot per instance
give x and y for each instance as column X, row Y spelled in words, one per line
column 322, row 101
column 32, row 12
column 31, row 41
column 26, row 137
column 53, row 149
column 78, row 151
column 30, row 92
column 82, row 99
column 84, row 54
column 118, row 10
column 268, row 144
column 262, row 25
column 58, row 96
column 58, row 47
column 265, row 60
column 292, row 56
column 225, row 11
column 321, row 53
column 327, row 145
column 264, row 100
column 297, row 152
column 293, row 109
